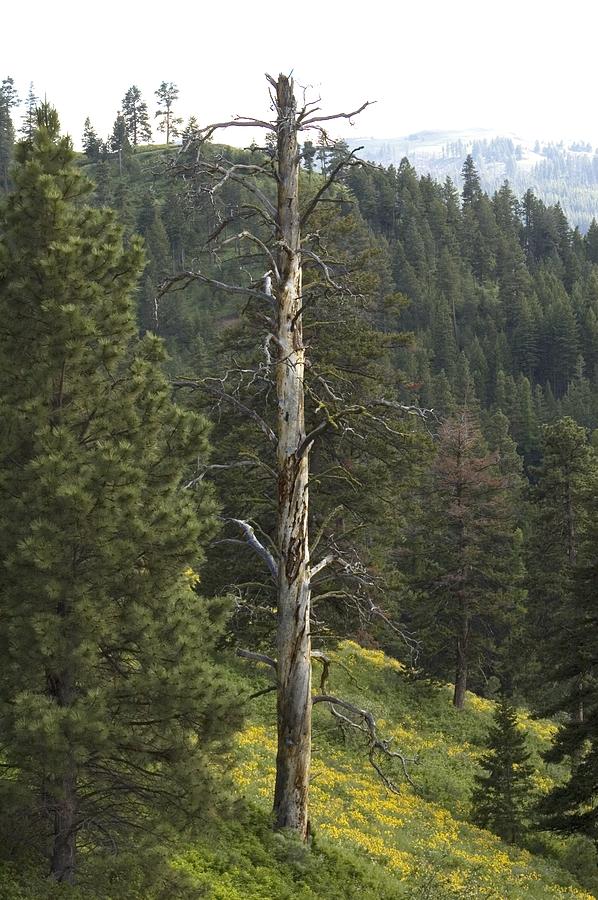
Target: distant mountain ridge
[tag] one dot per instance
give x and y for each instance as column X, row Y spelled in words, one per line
column 558, row 172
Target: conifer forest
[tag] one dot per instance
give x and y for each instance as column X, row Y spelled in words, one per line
column 298, row 515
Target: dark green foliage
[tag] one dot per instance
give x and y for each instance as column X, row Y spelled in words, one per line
column 308, row 155
column 167, row 94
column 119, row 141
column 466, row 550
column 109, row 699
column 8, row 99
column 151, row 227
column 29, row 121
column 92, row 145
column 558, row 535
column 507, row 283
column 573, row 806
column 591, row 242
column 501, row 798
column 136, row 116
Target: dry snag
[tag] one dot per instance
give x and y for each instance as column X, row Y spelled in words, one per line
column 280, row 293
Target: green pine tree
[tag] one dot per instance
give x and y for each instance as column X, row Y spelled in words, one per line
column 572, row 807
column 119, row 140
column 28, row 119
column 558, row 531
column 8, row 99
column 91, row 143
column 502, row 795
column 109, row 700
column 136, row 116
column 151, row 227
column 469, row 586
column 170, row 124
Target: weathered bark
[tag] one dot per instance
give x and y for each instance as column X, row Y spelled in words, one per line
column 293, row 638
column 64, row 847
column 62, row 795
column 291, row 567
column 462, row 656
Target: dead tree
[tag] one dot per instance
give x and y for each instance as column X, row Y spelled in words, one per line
column 278, row 237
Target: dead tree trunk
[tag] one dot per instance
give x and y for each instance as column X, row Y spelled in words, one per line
column 282, row 286
column 293, row 639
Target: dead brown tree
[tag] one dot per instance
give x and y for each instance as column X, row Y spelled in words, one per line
column 279, row 240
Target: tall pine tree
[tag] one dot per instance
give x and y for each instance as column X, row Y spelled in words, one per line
column 501, row 798
column 136, row 116
column 8, row 99
column 109, row 701
column 469, row 585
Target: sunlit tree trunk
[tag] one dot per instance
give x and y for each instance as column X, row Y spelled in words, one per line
column 293, row 638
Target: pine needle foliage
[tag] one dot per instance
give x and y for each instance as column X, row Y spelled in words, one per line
column 502, row 794
column 110, row 702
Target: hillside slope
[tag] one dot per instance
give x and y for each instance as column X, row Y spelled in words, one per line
column 421, row 834
column 367, row 841
column 565, row 173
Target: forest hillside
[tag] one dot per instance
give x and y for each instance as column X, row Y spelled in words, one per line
column 557, row 171
column 369, row 841
column 298, row 519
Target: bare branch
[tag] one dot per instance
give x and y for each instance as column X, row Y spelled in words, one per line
column 229, row 398
column 247, row 235
column 325, row 660
column 348, row 115
column 323, row 563
column 187, row 278
column 257, row 546
column 348, row 160
column 238, row 122
column 233, row 465
column 367, row 725
column 324, row 268
column 308, row 440
column 266, row 690
column 412, row 410
column 258, row 657
column 241, row 174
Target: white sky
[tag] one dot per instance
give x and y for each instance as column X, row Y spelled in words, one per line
column 525, row 66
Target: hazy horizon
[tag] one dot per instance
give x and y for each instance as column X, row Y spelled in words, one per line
column 523, row 69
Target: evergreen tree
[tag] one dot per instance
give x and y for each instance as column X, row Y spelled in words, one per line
column 472, row 190
column 572, row 807
column 501, row 798
column 591, row 242
column 191, row 130
column 103, row 180
column 136, row 116
column 167, row 93
column 91, row 143
column 109, row 700
column 478, row 224
column 470, row 584
column 8, row 99
column 29, row 120
column 524, row 425
column 558, row 529
column 308, row 154
column 151, row 227
column 119, row 140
